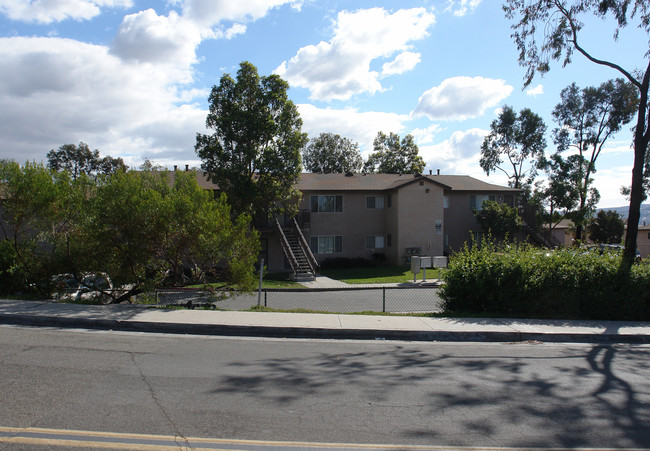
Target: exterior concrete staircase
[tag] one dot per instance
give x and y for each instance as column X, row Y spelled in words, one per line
column 296, row 250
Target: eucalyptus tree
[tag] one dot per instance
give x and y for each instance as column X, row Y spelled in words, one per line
column 587, row 118
column 551, row 30
column 514, row 145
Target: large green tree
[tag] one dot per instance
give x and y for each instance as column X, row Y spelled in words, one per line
column 514, row 145
column 558, row 195
column 331, row 153
column 147, row 230
column 142, row 229
column 550, row 30
column 254, row 152
column 80, row 159
column 41, row 215
column 499, row 220
column 607, row 227
column 392, row 156
column 587, row 118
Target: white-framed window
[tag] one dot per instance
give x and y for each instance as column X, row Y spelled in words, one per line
column 445, row 201
column 326, row 204
column 375, row 202
column 326, row 244
column 374, row 242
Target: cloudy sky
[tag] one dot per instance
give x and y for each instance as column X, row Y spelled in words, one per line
column 131, row 77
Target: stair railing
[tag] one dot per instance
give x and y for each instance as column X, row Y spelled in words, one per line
column 286, row 248
column 313, row 263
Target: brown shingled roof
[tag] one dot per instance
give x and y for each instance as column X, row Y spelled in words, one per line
column 376, row 182
column 379, row 182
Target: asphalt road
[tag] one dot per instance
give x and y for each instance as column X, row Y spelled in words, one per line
column 180, row 388
column 339, row 301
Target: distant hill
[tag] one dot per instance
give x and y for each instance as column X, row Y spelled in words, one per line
column 623, row 211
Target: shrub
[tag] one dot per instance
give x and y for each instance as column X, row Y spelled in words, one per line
column 520, row 280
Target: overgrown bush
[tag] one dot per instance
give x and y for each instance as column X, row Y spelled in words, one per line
column 523, row 281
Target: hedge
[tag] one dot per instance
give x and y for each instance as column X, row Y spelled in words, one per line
column 523, row 281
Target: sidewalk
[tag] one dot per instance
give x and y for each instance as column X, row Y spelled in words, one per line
column 139, row 318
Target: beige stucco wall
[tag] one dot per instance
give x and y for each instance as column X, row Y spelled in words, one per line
column 643, row 241
column 459, row 221
column 418, row 208
column 354, row 223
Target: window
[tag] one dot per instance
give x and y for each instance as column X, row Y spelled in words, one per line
column 330, row 244
column 476, row 201
column 389, row 200
column 389, row 240
column 509, row 200
column 374, row 242
column 445, row 201
column 374, row 202
column 324, row 204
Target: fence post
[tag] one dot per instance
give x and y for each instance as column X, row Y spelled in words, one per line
column 265, row 293
column 383, row 304
column 259, row 289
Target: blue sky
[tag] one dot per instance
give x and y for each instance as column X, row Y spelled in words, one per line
column 131, row 77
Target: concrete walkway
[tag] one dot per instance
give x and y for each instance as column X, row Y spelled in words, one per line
column 328, row 326
column 326, row 282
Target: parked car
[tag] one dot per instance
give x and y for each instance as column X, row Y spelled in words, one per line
column 91, row 287
column 614, row 248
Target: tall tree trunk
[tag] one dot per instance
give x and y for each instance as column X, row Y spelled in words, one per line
column 641, row 138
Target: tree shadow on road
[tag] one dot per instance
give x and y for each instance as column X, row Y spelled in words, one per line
column 556, row 396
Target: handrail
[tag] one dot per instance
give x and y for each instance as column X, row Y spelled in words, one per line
column 313, row 263
column 286, row 248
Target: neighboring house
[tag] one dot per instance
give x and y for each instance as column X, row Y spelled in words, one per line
column 562, row 233
column 642, row 240
column 361, row 215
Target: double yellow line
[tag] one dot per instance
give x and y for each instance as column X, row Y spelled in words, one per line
column 71, row 439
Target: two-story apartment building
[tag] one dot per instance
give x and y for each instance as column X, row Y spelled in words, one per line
column 358, row 215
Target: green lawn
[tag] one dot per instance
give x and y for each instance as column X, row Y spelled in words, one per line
column 380, row 274
column 274, row 280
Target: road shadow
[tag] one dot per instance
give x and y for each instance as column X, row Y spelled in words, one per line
column 517, row 396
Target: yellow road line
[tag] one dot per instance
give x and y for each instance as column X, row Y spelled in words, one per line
column 117, row 440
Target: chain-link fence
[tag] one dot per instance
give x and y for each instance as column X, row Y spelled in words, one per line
column 335, row 300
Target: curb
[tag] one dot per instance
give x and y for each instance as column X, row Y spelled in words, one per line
column 319, row 333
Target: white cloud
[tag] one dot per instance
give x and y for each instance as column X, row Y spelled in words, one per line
column 426, row 135
column 403, row 62
column 609, row 182
column 461, row 146
column 462, row 7
column 361, row 127
column 340, row 68
column 61, row 91
column 212, row 12
column 48, row 11
column 146, row 37
column 535, row 91
column 461, row 98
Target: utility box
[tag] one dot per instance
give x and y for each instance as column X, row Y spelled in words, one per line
column 439, row 262
column 415, row 264
column 426, row 262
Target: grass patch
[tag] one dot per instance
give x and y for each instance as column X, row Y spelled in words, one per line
column 273, row 280
column 377, row 274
